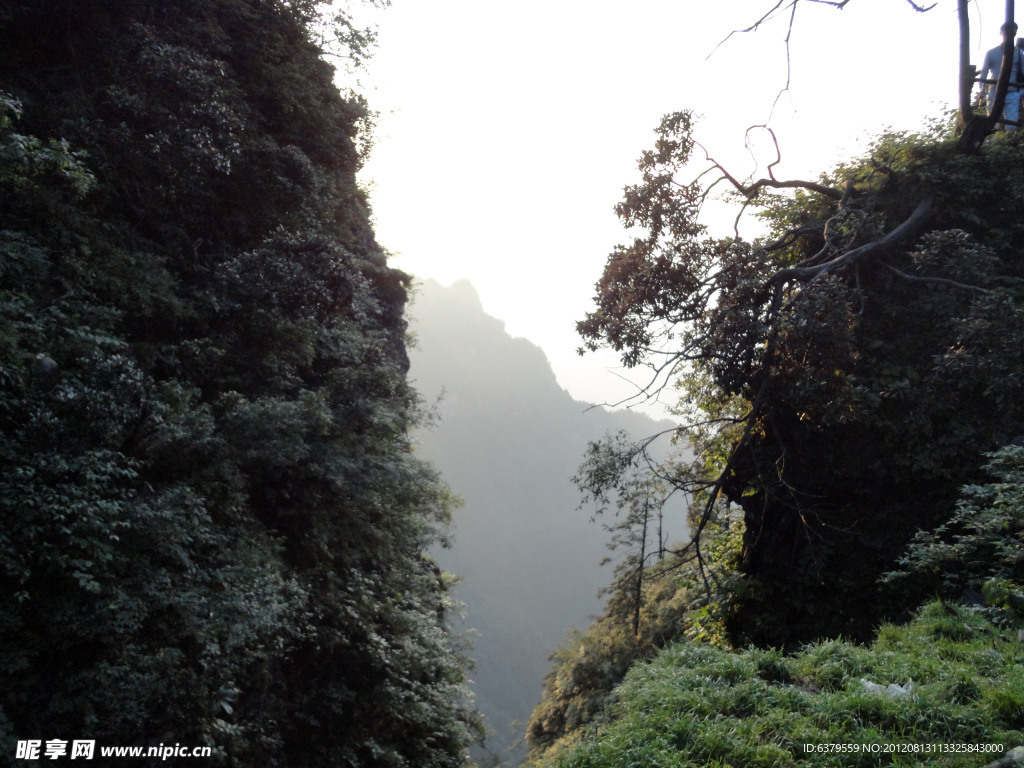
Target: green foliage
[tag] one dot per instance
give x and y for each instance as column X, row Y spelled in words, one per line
column 588, row 666
column 28, row 163
column 979, row 548
column 212, row 526
column 840, row 379
column 694, row 705
column 615, row 470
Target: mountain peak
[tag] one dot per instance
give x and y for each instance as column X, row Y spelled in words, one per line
column 508, row 441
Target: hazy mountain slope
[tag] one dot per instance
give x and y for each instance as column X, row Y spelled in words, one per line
column 508, row 441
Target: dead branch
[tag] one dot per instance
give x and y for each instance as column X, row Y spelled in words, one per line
column 792, row 6
column 652, row 390
column 750, row 191
column 789, row 58
column 752, row 28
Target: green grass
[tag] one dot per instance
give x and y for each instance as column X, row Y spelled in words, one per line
column 694, row 705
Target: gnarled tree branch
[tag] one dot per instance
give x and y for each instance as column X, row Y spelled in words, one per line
column 907, row 229
column 910, row 227
column 750, row 191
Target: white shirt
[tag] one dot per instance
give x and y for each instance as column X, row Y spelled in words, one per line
column 993, row 61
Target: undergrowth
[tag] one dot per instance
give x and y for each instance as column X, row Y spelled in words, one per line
column 960, row 702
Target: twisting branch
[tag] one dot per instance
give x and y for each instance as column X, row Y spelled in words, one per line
column 790, row 237
column 750, row 191
column 910, row 227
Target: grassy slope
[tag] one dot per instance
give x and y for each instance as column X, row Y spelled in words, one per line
column 698, row 706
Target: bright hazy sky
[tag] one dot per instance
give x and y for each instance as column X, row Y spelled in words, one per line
column 509, row 129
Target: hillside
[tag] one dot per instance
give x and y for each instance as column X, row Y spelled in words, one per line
column 508, row 440
column 213, row 531
column 945, row 690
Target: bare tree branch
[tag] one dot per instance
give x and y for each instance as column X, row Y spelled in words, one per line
column 750, row 191
column 789, row 58
column 792, row 6
column 752, row 28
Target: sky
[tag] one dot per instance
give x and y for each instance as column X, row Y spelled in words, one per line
column 508, row 130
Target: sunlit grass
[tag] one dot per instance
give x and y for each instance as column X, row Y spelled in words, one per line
column 699, row 706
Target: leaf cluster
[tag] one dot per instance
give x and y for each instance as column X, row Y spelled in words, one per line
column 978, row 550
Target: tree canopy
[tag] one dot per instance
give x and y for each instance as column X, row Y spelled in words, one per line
column 831, row 372
column 858, row 361
column 213, row 526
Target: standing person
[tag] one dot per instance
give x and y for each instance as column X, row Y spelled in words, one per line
column 990, row 71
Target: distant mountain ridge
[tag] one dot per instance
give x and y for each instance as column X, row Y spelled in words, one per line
column 508, row 441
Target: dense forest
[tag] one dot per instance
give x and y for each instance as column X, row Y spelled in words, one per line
column 213, row 526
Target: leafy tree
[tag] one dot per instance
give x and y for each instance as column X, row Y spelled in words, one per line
column 213, row 527
column 588, row 666
column 640, row 497
column 874, row 337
